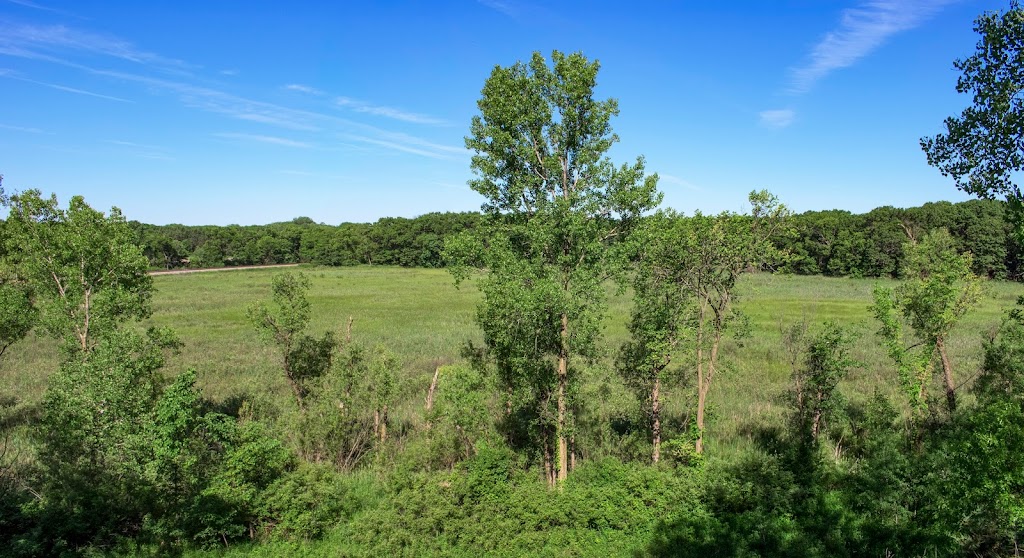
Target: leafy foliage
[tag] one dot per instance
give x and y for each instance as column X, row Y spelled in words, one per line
column 940, row 288
column 554, row 207
column 816, row 380
column 95, row 439
column 981, row 148
column 708, row 256
column 17, row 313
column 87, row 275
column 462, row 415
column 304, row 358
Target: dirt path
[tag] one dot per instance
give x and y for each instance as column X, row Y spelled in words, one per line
column 233, row 268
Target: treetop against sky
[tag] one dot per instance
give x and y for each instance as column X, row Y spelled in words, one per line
column 247, row 112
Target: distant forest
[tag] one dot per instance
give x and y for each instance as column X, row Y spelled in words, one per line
column 832, row 243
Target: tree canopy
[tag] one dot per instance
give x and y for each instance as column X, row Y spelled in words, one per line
column 982, row 149
column 83, row 266
column 556, row 206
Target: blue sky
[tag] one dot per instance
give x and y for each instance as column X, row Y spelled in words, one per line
column 255, row 111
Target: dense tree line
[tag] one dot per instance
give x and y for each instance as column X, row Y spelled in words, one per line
column 398, row 241
column 835, row 243
column 839, row 243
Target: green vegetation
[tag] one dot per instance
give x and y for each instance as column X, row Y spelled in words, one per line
column 556, row 211
column 425, row 321
column 981, row 148
column 360, row 411
column 834, row 243
column 434, row 321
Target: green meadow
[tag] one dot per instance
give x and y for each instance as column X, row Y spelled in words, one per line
column 424, row 319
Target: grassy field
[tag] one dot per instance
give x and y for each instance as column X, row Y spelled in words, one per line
column 424, row 319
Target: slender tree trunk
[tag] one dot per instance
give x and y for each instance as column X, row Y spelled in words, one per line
column 384, row 424
column 83, row 335
column 563, row 380
column 572, row 452
column 947, row 374
column 701, row 391
column 430, row 394
column 704, row 387
column 298, row 393
column 296, row 388
column 656, row 415
column 701, row 401
column 549, row 471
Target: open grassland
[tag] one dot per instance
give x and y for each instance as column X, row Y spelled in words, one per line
column 425, row 320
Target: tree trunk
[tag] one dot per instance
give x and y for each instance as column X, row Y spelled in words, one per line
column 704, row 387
column 430, row 393
column 572, row 452
column 296, row 389
column 563, row 380
column 701, row 391
column 83, row 335
column 701, row 401
column 549, row 472
column 947, row 374
column 384, row 424
column 656, row 415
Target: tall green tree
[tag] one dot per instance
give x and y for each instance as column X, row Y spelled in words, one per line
column 982, row 149
column 95, row 437
column 86, row 272
column 661, row 309
column 939, row 288
column 555, row 207
column 304, row 358
column 713, row 252
column 825, row 361
column 17, row 313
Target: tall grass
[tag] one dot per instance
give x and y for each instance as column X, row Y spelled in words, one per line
column 425, row 320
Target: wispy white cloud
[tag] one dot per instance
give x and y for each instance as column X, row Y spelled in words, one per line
column 387, row 112
column 18, row 52
column 861, row 30
column 216, row 101
column 12, row 75
column 77, row 49
column 142, row 150
column 35, row 6
column 310, row 174
column 82, row 92
column 28, row 4
column 420, row 142
column 242, row 108
column 131, row 144
column 303, row 89
column 504, row 6
column 23, row 129
column 41, row 41
column 264, row 139
column 675, row 180
column 777, row 118
column 403, row 147
column 134, row 144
